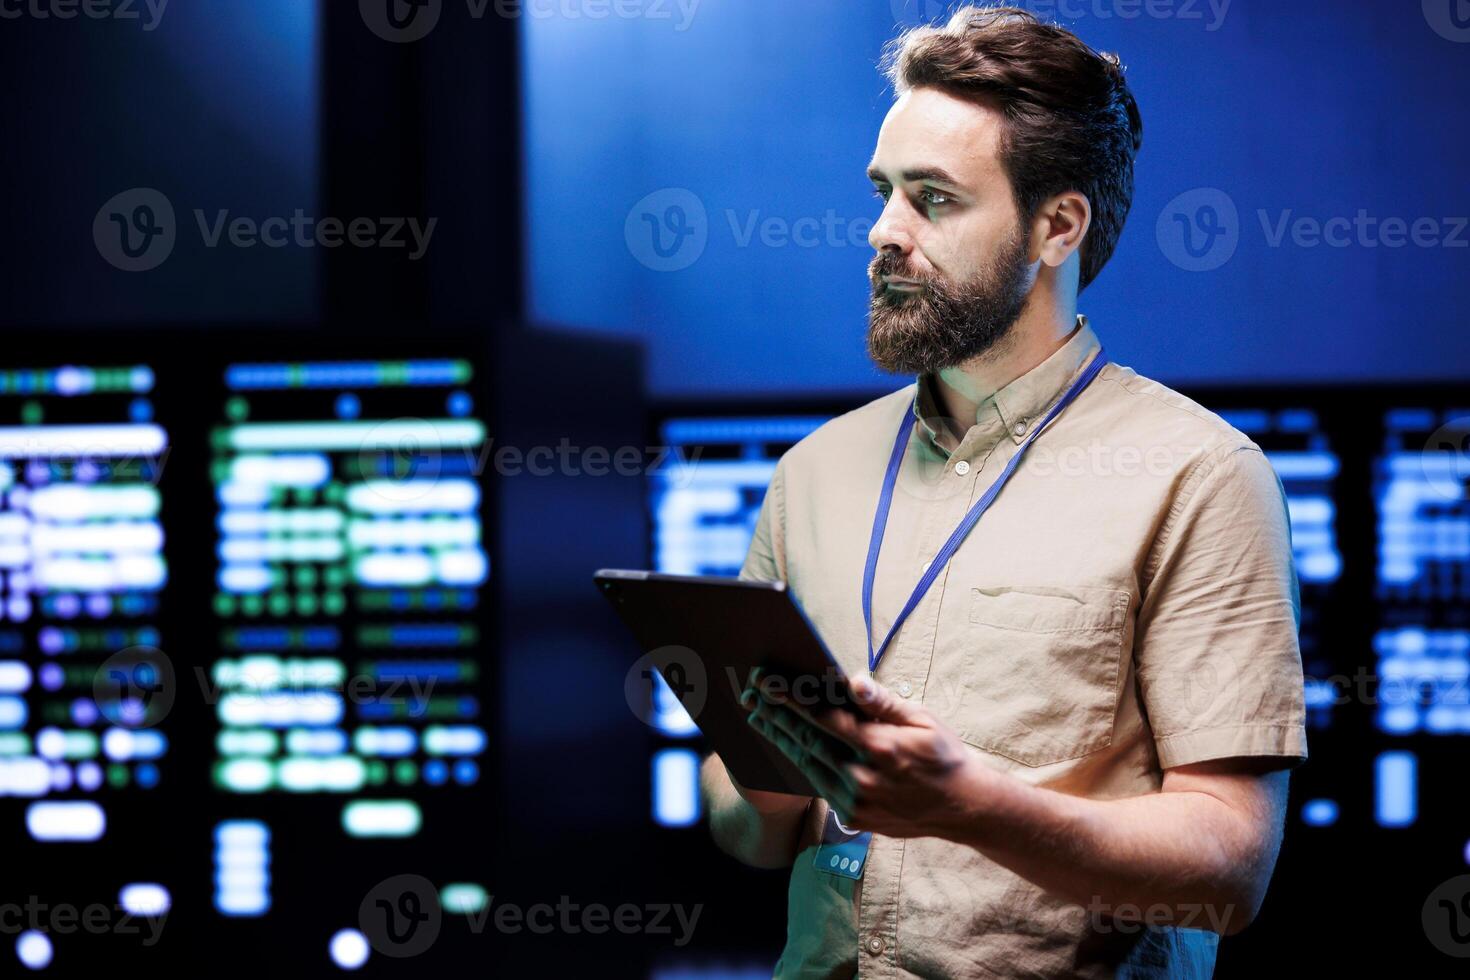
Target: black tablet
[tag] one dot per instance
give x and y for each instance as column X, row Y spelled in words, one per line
column 704, row 635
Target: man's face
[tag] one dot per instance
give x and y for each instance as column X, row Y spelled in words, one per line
column 952, row 273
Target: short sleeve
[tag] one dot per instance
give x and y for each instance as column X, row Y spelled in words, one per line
column 765, row 561
column 1216, row 649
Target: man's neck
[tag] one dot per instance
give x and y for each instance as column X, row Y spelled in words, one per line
column 962, row 389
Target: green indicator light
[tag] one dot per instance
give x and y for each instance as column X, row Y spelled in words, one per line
column 14, row 743
column 463, row 898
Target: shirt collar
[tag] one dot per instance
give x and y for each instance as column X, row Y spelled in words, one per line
column 1022, row 402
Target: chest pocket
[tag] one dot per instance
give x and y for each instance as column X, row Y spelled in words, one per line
column 1042, row 684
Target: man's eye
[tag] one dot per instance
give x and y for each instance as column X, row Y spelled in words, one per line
column 881, row 193
column 933, row 197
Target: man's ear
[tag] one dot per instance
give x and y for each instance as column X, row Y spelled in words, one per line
column 1060, row 226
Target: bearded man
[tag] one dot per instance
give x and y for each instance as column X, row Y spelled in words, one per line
column 1065, row 592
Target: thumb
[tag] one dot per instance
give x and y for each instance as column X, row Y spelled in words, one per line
column 882, row 703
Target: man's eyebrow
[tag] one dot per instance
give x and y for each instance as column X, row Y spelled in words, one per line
column 934, row 175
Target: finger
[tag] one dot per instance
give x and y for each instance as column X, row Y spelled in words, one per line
column 825, row 780
column 751, row 691
column 835, row 722
column 843, row 724
column 803, row 744
column 882, row 704
column 829, row 750
column 863, row 779
column 873, row 742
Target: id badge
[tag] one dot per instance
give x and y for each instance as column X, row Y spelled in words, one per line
column 843, row 851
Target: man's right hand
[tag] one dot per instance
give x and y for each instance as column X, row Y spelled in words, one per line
column 755, row 826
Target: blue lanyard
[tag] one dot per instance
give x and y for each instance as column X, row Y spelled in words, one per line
column 885, row 502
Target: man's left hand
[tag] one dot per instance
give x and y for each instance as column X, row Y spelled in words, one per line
column 901, row 772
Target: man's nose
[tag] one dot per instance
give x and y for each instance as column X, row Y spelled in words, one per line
column 890, row 232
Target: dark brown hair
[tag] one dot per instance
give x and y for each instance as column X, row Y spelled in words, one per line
column 1071, row 123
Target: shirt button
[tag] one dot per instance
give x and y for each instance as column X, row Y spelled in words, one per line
column 962, row 467
column 905, row 689
column 875, row 944
column 1019, row 428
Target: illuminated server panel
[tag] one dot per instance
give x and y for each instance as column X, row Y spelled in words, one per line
column 706, row 502
column 351, row 564
column 1308, row 465
column 1422, row 640
column 1423, row 511
column 1423, row 582
column 84, row 687
column 704, row 506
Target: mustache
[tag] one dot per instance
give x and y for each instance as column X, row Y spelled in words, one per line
column 893, row 264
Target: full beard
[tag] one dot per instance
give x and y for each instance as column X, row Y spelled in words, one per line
column 944, row 324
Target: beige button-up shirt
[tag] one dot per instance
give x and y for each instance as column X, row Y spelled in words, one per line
column 1128, row 603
